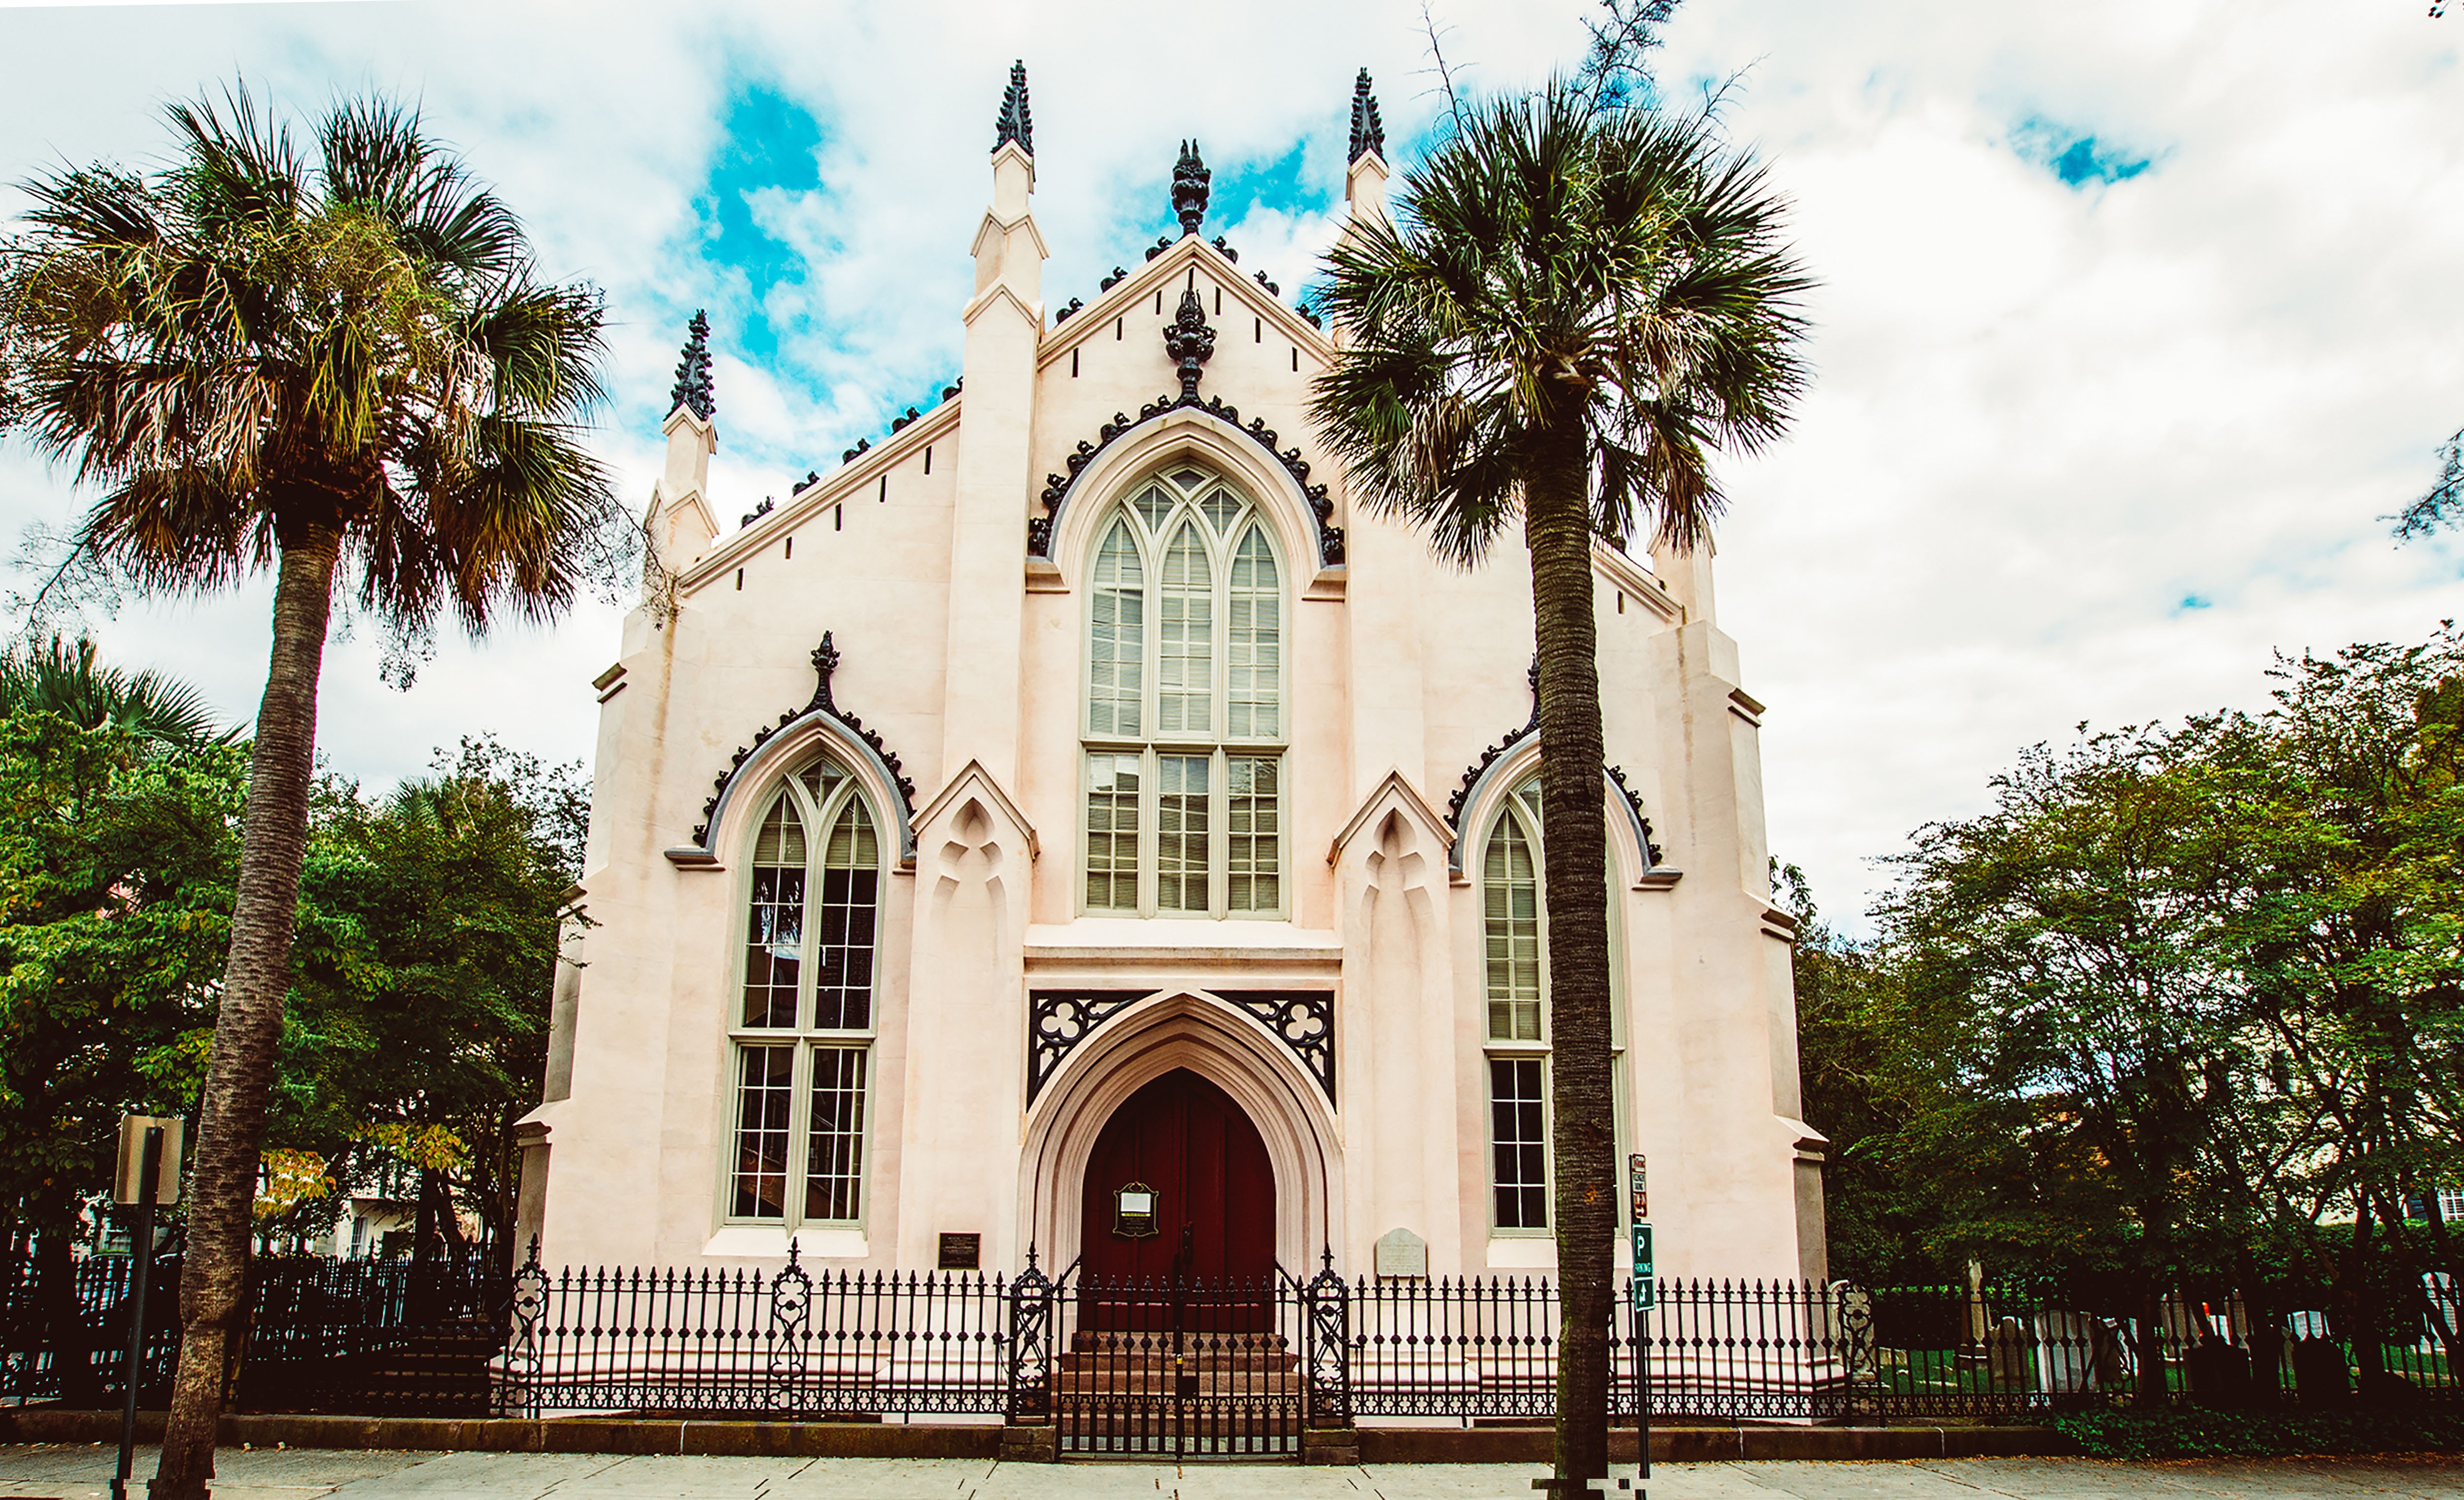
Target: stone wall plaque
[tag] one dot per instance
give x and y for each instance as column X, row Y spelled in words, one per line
column 1402, row 1254
column 963, row 1252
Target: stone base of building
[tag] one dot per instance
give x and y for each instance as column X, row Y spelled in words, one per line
column 1366, row 1444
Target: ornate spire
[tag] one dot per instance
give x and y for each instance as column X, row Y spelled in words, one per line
column 1190, row 342
column 1368, row 131
column 1016, row 124
column 1189, row 179
column 693, row 372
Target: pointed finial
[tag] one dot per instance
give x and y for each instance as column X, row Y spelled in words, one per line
column 1190, row 342
column 1189, row 192
column 1016, row 124
column 1368, row 131
column 825, row 664
column 693, row 372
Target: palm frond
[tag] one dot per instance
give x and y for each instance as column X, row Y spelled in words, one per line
column 1551, row 262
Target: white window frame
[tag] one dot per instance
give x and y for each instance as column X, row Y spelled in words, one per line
column 819, row 816
column 1526, row 819
column 1216, row 743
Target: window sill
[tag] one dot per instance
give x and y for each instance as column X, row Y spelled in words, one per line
column 1536, row 1250
column 769, row 1241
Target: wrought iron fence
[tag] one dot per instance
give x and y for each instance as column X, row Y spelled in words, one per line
column 1164, row 1367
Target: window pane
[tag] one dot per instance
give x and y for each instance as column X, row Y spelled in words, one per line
column 834, row 1158
column 764, row 1094
column 850, row 902
column 1511, row 922
column 1255, row 643
column 774, row 935
column 1180, row 832
column 1112, row 831
column 822, row 778
column 1117, row 641
column 1254, row 823
column 1223, row 508
column 1153, row 504
column 1518, row 1143
column 1185, row 671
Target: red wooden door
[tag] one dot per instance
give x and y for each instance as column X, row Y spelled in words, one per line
column 1214, row 1193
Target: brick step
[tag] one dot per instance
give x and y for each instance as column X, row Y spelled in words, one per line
column 1126, row 1362
column 1084, row 1341
column 1160, row 1383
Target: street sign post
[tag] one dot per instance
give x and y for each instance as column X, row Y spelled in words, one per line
column 1646, row 1297
column 148, row 1175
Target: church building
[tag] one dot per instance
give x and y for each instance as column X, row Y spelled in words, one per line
column 1073, row 824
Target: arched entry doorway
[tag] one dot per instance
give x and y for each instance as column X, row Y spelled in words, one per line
column 1178, row 1192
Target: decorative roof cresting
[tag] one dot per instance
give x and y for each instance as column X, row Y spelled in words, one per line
column 693, row 372
column 1017, row 123
column 1368, row 131
column 1189, row 191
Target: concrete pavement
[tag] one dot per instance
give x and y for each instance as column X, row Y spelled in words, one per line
column 83, row 1473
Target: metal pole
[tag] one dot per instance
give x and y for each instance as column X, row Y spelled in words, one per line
column 150, row 1172
column 1642, row 1406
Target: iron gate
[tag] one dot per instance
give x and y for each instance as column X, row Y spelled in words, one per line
column 1184, row 1369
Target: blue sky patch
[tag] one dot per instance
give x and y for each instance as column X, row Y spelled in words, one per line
column 768, row 142
column 2077, row 157
column 2191, row 602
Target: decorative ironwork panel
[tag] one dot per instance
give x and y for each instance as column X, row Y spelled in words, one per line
column 1057, row 1021
column 1303, row 1018
column 791, row 1306
column 1030, row 1380
column 1328, row 1304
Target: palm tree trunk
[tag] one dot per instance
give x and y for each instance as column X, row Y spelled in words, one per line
column 248, row 1027
column 1557, row 531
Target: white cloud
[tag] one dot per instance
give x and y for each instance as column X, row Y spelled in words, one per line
column 2045, row 415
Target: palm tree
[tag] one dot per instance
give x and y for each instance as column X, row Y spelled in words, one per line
column 1573, row 309
column 336, row 360
column 67, row 680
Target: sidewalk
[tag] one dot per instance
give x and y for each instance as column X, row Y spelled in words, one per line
column 81, row 1472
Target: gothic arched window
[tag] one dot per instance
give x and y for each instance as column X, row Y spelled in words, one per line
column 1515, row 992
column 808, row 1007
column 1185, row 718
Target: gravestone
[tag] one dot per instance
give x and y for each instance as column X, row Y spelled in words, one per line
column 2321, row 1377
column 1404, row 1255
column 2065, row 1350
column 2219, row 1374
column 2006, row 1353
column 2306, row 1325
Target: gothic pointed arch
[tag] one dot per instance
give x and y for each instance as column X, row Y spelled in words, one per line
column 778, row 747
column 1228, row 1048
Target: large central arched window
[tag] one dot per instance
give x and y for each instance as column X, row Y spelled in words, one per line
column 807, row 1009
column 1185, row 717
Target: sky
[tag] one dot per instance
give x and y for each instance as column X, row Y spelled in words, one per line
column 2134, row 320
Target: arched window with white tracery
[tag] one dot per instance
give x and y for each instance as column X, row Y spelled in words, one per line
column 1515, row 1014
column 802, row 1032
column 1185, row 717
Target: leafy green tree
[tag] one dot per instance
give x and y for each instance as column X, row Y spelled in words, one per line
column 2070, row 968
column 115, row 867
column 330, row 361
column 1571, row 310
column 1855, row 1093
column 426, row 978
column 2361, row 978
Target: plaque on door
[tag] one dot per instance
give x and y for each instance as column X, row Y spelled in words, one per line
column 1133, row 1212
